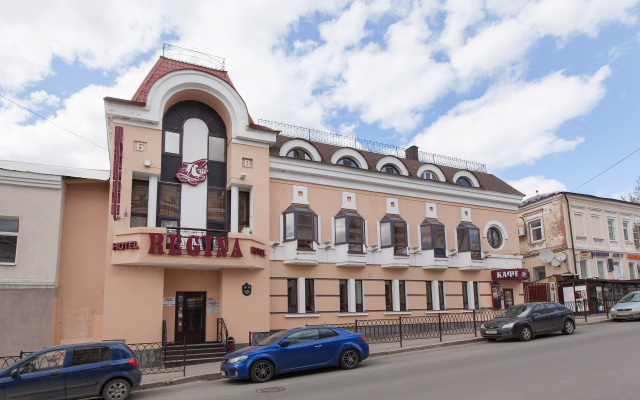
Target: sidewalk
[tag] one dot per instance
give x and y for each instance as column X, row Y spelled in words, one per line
column 211, row 371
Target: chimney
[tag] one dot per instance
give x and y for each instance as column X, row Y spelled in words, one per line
column 411, row 153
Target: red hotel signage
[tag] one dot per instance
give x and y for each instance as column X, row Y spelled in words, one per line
column 193, row 245
column 193, row 172
column 513, row 274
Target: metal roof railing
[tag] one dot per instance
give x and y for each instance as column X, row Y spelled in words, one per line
column 315, row 135
column 192, row 57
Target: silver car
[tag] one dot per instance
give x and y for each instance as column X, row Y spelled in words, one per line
column 628, row 307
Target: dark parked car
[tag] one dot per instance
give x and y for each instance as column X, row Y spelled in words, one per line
column 106, row 369
column 295, row 350
column 525, row 321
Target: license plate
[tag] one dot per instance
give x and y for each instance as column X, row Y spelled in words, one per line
column 623, row 313
column 223, row 372
column 491, row 332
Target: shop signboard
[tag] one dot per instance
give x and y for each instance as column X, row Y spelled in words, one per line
column 634, row 256
column 511, row 274
column 193, row 172
column 168, row 302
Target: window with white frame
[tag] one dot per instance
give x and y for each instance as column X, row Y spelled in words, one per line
column 476, row 293
column 301, row 224
column 539, row 273
column 442, row 298
column 584, row 269
column 632, row 270
column 395, row 292
column 468, row 236
column 625, row 231
column 393, row 233
column 8, row 240
column 535, row 230
column 465, row 295
column 602, row 273
column 351, row 295
column 611, row 226
column 301, row 296
column 429, row 295
column 433, row 237
column 349, row 229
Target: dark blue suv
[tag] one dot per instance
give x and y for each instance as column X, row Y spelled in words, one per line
column 107, row 369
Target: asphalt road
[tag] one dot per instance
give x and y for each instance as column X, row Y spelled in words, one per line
column 596, row 362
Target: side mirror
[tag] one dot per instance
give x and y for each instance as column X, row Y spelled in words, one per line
column 535, row 314
column 13, row 372
column 285, row 342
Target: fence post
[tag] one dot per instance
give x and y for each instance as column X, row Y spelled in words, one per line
column 475, row 331
column 400, row 322
column 584, row 306
column 250, row 339
column 440, row 325
column 184, row 356
column 606, row 307
column 356, row 328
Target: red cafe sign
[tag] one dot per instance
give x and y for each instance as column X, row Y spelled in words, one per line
column 513, row 274
column 193, row 245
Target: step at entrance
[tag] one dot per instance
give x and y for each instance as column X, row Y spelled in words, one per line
column 201, row 353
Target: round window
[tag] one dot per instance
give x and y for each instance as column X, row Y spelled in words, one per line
column 494, row 237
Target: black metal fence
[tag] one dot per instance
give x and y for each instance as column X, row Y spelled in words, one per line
column 160, row 357
column 585, row 308
column 7, row 361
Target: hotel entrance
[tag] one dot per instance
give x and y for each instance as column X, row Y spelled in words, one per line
column 190, row 317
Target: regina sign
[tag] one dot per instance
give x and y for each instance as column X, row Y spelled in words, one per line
column 513, row 274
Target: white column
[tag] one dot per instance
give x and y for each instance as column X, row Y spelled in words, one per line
column 395, row 294
column 471, row 295
column 301, row 294
column 435, row 295
column 234, row 208
column 152, row 201
column 351, row 294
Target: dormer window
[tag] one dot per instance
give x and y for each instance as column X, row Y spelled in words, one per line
column 299, row 153
column 347, row 161
column 433, row 237
column 462, row 181
column 429, row 175
column 469, row 239
column 301, row 224
column 349, row 230
column 389, row 169
column 393, row 233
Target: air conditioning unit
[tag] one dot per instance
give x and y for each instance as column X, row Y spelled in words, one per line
column 522, row 231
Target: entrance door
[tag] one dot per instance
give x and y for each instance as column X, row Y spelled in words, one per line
column 190, row 316
column 508, row 297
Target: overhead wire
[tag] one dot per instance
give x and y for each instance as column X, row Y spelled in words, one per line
column 51, row 122
column 621, row 160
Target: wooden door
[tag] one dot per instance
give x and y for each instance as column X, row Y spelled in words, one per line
column 191, row 315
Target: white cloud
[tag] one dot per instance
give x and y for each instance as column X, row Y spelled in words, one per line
column 532, row 185
column 515, row 122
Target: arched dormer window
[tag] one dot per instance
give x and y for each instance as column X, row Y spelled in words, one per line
column 390, row 169
column 299, row 153
column 462, row 181
column 393, row 233
column 301, row 224
column 350, row 230
column 429, row 175
column 348, row 162
column 432, row 235
column 469, row 239
column 465, row 178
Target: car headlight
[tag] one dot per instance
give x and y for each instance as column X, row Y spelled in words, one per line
column 637, row 308
column 507, row 326
column 237, row 359
column 482, row 326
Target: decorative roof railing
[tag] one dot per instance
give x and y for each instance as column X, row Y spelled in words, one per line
column 192, row 57
column 315, row 135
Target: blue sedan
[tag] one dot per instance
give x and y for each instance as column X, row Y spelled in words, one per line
column 295, row 350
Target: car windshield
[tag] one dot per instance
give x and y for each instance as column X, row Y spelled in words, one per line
column 274, row 338
column 514, row 311
column 630, row 298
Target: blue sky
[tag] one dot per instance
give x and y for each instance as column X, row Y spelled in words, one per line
column 544, row 92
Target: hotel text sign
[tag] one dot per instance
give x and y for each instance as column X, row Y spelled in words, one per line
column 193, row 245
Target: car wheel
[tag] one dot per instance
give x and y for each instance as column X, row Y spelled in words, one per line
column 117, row 389
column 262, row 371
column 349, row 359
column 568, row 327
column 526, row 334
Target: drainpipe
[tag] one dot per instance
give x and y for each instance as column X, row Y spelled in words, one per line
column 573, row 248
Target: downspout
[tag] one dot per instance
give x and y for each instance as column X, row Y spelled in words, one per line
column 573, row 248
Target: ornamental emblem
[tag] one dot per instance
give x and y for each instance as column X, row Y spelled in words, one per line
column 246, row 289
column 193, row 172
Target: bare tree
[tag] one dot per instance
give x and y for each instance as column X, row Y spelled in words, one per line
column 635, row 196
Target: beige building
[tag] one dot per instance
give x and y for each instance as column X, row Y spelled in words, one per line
column 573, row 239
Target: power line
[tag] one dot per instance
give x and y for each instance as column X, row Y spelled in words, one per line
column 629, row 155
column 51, row 122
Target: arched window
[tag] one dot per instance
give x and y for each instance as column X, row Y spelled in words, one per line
column 469, row 239
column 301, row 224
column 429, row 175
column 462, row 181
column 432, row 237
column 348, row 161
column 299, row 153
column 389, row 169
column 350, row 230
column 393, row 233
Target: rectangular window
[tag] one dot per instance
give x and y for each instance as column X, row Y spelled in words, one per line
column 429, row 296
column 244, row 207
column 341, row 230
column 578, row 224
column 8, row 240
column 595, row 227
column 385, row 235
column 625, row 230
column 611, row 226
column 309, row 296
column 539, row 273
column 292, row 295
column 216, row 148
column 169, row 207
column 388, row 296
column 171, row 142
column 216, row 204
column 584, row 269
column 139, row 203
column 433, row 238
column 535, row 229
column 402, row 295
column 441, row 295
column 602, row 274
column 359, row 296
column 476, row 292
column 344, row 297
column 465, row 296
column 305, row 230
column 632, row 270
column 355, row 235
column 289, row 227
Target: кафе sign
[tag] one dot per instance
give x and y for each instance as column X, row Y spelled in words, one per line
column 512, row 274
